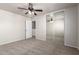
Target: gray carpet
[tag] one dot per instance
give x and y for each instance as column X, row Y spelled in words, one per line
column 36, row 47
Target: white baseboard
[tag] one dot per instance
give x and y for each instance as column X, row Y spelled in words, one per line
column 9, row 41
column 69, row 45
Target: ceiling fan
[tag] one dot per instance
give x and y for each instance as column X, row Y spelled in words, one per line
column 31, row 10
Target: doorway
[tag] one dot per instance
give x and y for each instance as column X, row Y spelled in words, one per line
column 33, row 28
column 55, row 28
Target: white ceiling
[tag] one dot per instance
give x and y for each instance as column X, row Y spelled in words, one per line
column 47, row 7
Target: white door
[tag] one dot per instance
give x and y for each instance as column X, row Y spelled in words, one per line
column 28, row 28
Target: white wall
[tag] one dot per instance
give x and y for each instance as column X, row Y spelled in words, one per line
column 78, row 28
column 12, row 27
column 28, row 28
column 40, row 27
column 71, row 26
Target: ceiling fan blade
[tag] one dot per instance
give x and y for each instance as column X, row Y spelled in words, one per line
column 26, row 13
column 35, row 13
column 22, row 8
column 39, row 10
